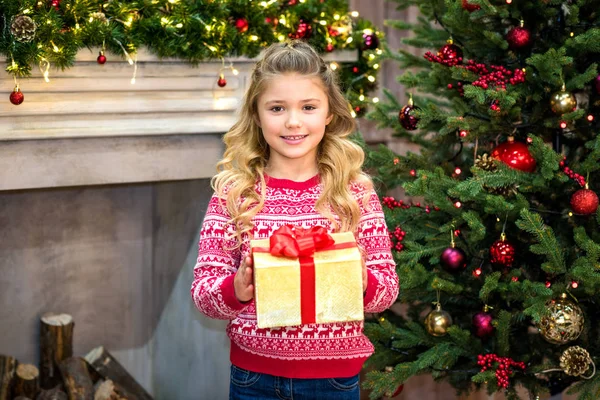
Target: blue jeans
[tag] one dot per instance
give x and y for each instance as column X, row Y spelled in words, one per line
column 248, row 385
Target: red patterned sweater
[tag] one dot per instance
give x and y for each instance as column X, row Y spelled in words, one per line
column 331, row 350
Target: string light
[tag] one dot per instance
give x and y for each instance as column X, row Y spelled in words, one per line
column 590, row 117
column 375, row 99
column 563, row 124
column 574, row 284
column 45, row 69
column 463, row 133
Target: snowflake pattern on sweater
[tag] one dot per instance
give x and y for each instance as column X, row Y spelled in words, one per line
column 289, row 202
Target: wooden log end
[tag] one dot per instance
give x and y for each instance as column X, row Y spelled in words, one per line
column 54, row 319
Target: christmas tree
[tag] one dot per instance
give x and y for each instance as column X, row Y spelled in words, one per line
column 497, row 243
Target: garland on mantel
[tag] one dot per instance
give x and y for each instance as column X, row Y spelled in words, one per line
column 48, row 33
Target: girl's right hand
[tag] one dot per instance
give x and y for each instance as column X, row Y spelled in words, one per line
column 243, row 282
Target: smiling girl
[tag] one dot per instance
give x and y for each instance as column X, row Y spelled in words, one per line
column 289, row 161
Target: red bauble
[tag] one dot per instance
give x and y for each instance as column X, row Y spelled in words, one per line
column 370, row 42
column 398, row 391
column 584, row 201
column 518, row 37
column 482, row 324
column 515, row 154
column 303, row 31
column 502, row 253
column 241, row 24
column 453, row 259
column 101, row 58
column 451, row 53
column 55, row 4
column 470, row 7
column 17, row 97
column 407, row 120
column 222, row 82
column 329, row 48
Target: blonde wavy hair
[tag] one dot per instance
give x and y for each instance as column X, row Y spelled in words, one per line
column 339, row 159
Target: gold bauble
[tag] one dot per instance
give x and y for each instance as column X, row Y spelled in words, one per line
column 575, row 361
column 562, row 322
column 438, row 321
column 563, row 102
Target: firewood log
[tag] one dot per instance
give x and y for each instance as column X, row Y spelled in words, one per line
column 8, row 366
column 56, row 345
column 26, row 381
column 76, row 377
column 109, row 368
column 109, row 390
column 52, row 394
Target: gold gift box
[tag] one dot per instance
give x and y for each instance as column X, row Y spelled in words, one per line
column 338, row 285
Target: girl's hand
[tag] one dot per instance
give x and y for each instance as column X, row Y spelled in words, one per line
column 243, row 282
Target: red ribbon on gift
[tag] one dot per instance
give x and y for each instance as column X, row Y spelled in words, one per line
column 301, row 243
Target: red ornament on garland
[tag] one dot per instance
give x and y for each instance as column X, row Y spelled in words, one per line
column 502, row 253
column 101, row 58
column 241, row 25
column 518, row 37
column 584, row 201
column 222, row 82
column 407, row 120
column 17, row 97
column 515, row 154
column 303, row 31
column 329, row 48
column 482, row 323
column 470, row 7
column 55, row 4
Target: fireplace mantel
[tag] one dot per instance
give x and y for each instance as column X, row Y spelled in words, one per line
column 90, row 126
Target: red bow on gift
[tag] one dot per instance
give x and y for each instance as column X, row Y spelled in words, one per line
column 288, row 241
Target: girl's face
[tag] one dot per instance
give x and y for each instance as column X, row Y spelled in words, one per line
column 293, row 112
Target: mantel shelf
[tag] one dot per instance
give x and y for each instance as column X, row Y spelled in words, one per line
column 89, row 125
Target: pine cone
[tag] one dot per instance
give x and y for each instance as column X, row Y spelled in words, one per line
column 575, row 361
column 486, row 163
column 23, row 28
column 505, row 191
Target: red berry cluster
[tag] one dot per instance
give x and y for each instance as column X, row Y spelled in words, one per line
column 459, row 88
column 504, row 369
column 570, row 173
column 447, row 61
column 398, row 234
column 495, row 106
column 392, row 203
column 498, row 77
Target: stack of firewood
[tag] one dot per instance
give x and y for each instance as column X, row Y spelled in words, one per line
column 61, row 376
